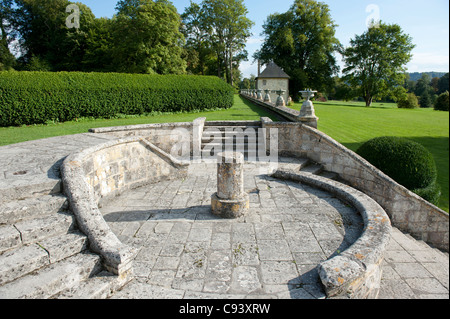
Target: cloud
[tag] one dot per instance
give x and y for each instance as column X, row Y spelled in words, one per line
column 429, row 61
column 255, row 41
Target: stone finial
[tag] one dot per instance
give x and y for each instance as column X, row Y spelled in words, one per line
column 307, row 112
column 259, row 95
column 280, row 99
column 267, row 96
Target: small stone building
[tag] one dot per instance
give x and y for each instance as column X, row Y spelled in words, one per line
column 273, row 78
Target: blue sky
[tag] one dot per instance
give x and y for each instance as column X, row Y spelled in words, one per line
column 427, row 22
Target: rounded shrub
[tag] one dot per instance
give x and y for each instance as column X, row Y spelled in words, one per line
column 442, row 102
column 431, row 193
column 410, row 101
column 407, row 162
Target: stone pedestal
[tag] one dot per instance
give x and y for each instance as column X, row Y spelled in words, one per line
column 230, row 201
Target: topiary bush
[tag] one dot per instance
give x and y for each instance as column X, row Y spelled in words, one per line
column 407, row 162
column 410, row 101
column 442, row 102
column 37, row 97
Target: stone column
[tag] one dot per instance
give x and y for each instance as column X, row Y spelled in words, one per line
column 230, row 201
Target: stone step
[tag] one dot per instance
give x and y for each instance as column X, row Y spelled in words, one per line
column 235, row 145
column 312, row 169
column 29, row 208
column 294, row 166
column 100, row 286
column 53, row 279
column 30, row 187
column 230, row 127
column 329, row 175
column 23, row 260
column 209, row 152
column 208, row 136
column 31, row 231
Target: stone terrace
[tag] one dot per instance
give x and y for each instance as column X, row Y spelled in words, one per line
column 185, row 252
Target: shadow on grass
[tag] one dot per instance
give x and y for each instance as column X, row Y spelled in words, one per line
column 261, row 111
column 386, row 105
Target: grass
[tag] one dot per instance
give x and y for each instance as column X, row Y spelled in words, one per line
column 241, row 110
column 352, row 124
column 349, row 123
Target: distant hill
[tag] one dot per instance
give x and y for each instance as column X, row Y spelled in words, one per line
column 417, row 75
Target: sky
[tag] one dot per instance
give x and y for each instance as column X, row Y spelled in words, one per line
column 427, row 22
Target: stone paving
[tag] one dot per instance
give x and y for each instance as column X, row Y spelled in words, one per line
column 272, row 252
column 185, row 252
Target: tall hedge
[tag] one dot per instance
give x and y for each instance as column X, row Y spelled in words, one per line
column 38, row 97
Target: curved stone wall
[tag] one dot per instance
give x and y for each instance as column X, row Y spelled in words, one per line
column 355, row 272
column 408, row 211
column 98, row 173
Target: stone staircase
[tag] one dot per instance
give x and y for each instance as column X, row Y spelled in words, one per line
column 43, row 254
column 238, row 136
column 245, row 137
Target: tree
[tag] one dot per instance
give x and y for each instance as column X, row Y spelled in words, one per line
column 99, row 41
column 442, row 102
column 302, row 41
column 7, row 36
column 227, row 28
column 147, row 38
column 199, row 53
column 375, row 61
column 46, row 39
column 443, row 84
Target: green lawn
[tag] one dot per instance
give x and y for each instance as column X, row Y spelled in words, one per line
column 352, row 124
column 349, row 123
column 241, row 110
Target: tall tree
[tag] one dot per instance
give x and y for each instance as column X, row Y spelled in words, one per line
column 375, row 61
column 7, row 35
column 147, row 38
column 45, row 37
column 228, row 28
column 199, row 51
column 302, row 41
column 443, row 84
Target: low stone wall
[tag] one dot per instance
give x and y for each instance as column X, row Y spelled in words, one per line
column 285, row 112
column 101, row 172
column 408, row 212
column 356, row 272
column 162, row 135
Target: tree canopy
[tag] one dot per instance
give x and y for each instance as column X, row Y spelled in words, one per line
column 375, row 61
column 302, row 41
column 217, row 30
column 143, row 37
column 147, row 38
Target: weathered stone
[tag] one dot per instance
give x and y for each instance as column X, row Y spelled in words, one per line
column 230, row 201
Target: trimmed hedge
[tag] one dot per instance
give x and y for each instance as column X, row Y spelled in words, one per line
column 407, row 162
column 37, row 97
